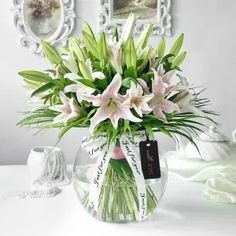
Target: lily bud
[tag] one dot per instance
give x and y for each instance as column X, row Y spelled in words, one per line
column 130, row 57
column 143, row 39
column 128, row 29
column 115, row 56
column 86, row 73
column 70, row 63
column 75, row 47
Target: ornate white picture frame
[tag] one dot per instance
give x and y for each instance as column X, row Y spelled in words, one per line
column 51, row 20
column 161, row 20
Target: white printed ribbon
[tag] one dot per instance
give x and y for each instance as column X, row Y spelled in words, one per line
column 98, row 147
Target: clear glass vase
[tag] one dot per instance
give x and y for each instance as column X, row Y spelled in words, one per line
column 118, row 199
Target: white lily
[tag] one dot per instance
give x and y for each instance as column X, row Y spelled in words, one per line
column 110, row 105
column 138, row 101
column 70, row 63
column 87, row 71
column 159, row 103
column 68, row 110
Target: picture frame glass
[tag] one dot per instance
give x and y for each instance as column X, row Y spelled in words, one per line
column 145, row 10
column 42, row 17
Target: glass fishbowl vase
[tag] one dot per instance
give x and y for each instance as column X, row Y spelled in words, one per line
column 118, row 198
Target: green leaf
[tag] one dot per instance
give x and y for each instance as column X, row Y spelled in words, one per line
column 102, row 46
column 161, row 47
column 150, row 132
column 88, row 30
column 42, row 89
column 35, row 76
column 127, row 82
column 167, row 57
column 179, row 59
column 91, row 44
column 51, row 53
column 130, row 56
column 88, row 83
column 177, row 45
column 101, row 84
column 130, row 72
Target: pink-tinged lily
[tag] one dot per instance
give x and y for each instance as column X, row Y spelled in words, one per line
column 68, row 110
column 70, row 63
column 185, row 101
column 166, row 77
column 135, row 99
column 110, row 105
column 159, row 103
column 79, row 88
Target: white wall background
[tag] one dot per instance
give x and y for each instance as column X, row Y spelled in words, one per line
column 210, row 32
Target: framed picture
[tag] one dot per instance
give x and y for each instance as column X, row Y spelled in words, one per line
column 115, row 12
column 51, row 20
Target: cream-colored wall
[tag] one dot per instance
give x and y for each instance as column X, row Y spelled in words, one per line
column 209, row 38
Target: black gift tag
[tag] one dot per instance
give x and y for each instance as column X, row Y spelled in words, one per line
column 150, row 159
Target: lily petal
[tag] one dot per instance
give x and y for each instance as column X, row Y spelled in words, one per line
column 114, row 86
column 168, row 106
column 61, row 118
column 71, row 88
column 98, row 75
column 146, row 109
column 70, row 63
column 158, row 112
column 100, row 115
column 74, row 107
column 58, row 108
column 144, row 85
column 160, row 70
column 96, row 100
column 169, row 76
column 63, row 98
column 125, row 113
column 171, row 89
column 138, row 110
column 72, row 76
column 147, row 98
column 89, row 65
column 115, row 56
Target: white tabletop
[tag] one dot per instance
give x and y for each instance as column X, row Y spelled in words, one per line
column 182, row 211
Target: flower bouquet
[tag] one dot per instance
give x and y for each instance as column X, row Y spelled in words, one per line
column 125, row 91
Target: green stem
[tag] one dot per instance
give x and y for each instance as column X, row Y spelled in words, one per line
column 118, row 200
